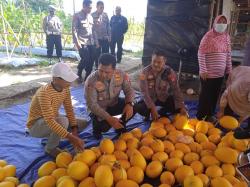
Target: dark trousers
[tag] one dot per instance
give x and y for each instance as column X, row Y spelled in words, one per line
column 87, row 54
column 228, row 111
column 104, row 48
column 210, row 92
column 167, row 107
column 52, row 40
column 104, row 126
column 117, row 41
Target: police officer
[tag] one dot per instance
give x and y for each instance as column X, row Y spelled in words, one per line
column 52, row 26
column 102, row 90
column 84, row 38
column 159, row 87
column 102, row 29
column 119, row 26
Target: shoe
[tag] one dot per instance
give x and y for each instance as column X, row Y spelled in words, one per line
column 97, row 136
column 54, row 152
column 240, row 133
column 60, row 59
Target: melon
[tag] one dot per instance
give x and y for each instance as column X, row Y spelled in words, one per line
column 126, row 183
column 204, row 178
column 103, row 176
column 173, row 163
column 87, row 156
column 135, row 174
column 137, row 159
column 120, row 145
column 154, row 169
column 107, row 146
column 220, row 182
column 47, row 181
column 87, row 182
column 78, row 170
column 46, row 169
column 63, row 159
column 167, row 178
column 229, row 122
column 193, row 181
column 214, row 171
column 226, row 155
column 182, row 172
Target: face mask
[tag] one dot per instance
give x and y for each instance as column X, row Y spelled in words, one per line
column 220, row 27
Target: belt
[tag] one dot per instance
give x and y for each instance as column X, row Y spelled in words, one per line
column 54, row 33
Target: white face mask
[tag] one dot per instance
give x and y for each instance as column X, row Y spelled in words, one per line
column 220, row 27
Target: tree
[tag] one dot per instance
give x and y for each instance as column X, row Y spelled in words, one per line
column 37, row 5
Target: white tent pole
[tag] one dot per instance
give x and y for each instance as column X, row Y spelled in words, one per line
column 4, row 31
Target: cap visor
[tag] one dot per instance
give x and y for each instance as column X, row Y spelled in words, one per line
column 71, row 77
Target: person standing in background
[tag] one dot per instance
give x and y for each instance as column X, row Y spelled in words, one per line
column 102, row 29
column 52, row 27
column 119, row 26
column 214, row 57
column 84, row 39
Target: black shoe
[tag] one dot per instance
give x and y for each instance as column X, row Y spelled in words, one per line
column 240, row 133
column 97, row 136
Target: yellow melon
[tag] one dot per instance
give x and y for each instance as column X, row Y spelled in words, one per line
column 135, row 174
column 63, row 160
column 2, row 174
column 66, row 178
column 78, row 170
column 215, row 138
column 120, row 155
column 177, row 154
column 46, row 169
column 213, row 131
column 119, row 173
column 240, row 145
column 103, row 176
column 193, row 181
column 173, row 163
column 228, row 169
column 47, row 181
column 125, row 136
column 180, row 122
column 87, row 156
column 10, row 170
column 220, row 182
column 188, row 132
column 66, row 182
column 137, row 159
column 126, row 183
column 164, row 120
column 59, row 172
column 147, row 152
column 214, row 171
column 167, row 178
column 226, row 155
column 156, row 124
column 97, row 151
column 147, row 134
column 164, row 185
column 200, row 137
column 202, row 127
column 3, row 163
column 183, row 147
column 209, row 160
column 229, row 122
column 206, row 153
column 193, row 121
column 107, row 159
column 204, row 178
column 154, row 169
column 93, row 168
column 137, row 133
column 132, row 143
column 190, row 157
column 120, row 145
column 233, row 180
column 160, row 156
column 124, row 163
column 7, row 184
column 146, row 185
column 208, row 146
column 107, row 146
column 182, row 172
column 241, row 184
column 195, row 147
column 12, row 179
column 88, row 182
column 159, row 132
column 168, row 146
column 23, row 185
column 170, row 127
column 197, row 166
column 147, row 141
column 157, row 145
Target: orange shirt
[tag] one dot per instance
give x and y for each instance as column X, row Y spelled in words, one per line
column 46, row 103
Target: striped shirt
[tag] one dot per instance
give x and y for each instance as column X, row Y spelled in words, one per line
column 215, row 64
column 46, row 103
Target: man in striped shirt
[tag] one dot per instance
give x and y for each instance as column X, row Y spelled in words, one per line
column 44, row 119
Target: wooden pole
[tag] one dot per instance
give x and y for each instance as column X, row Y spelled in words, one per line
column 218, row 7
column 4, row 30
column 211, row 14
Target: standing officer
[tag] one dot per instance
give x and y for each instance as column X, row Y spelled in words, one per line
column 52, row 26
column 159, row 87
column 84, row 38
column 102, row 29
column 119, row 26
column 102, row 90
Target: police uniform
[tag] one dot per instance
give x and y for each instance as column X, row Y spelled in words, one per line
column 85, row 36
column 102, row 29
column 159, row 90
column 119, row 26
column 52, row 26
column 103, row 98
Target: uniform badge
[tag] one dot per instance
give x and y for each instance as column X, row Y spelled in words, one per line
column 150, row 77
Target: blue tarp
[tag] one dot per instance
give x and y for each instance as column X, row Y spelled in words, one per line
column 27, row 154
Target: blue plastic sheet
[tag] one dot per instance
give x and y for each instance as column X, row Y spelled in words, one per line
column 26, row 152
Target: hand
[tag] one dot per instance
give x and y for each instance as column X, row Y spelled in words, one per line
column 78, row 46
column 220, row 114
column 204, row 76
column 77, row 143
column 114, row 122
column 128, row 111
column 75, row 131
column 183, row 111
column 154, row 113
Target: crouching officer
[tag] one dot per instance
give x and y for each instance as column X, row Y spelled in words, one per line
column 159, row 87
column 102, row 90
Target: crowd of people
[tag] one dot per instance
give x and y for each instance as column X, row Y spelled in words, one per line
column 93, row 35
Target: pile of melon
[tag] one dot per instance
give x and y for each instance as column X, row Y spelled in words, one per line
column 187, row 152
column 8, row 175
